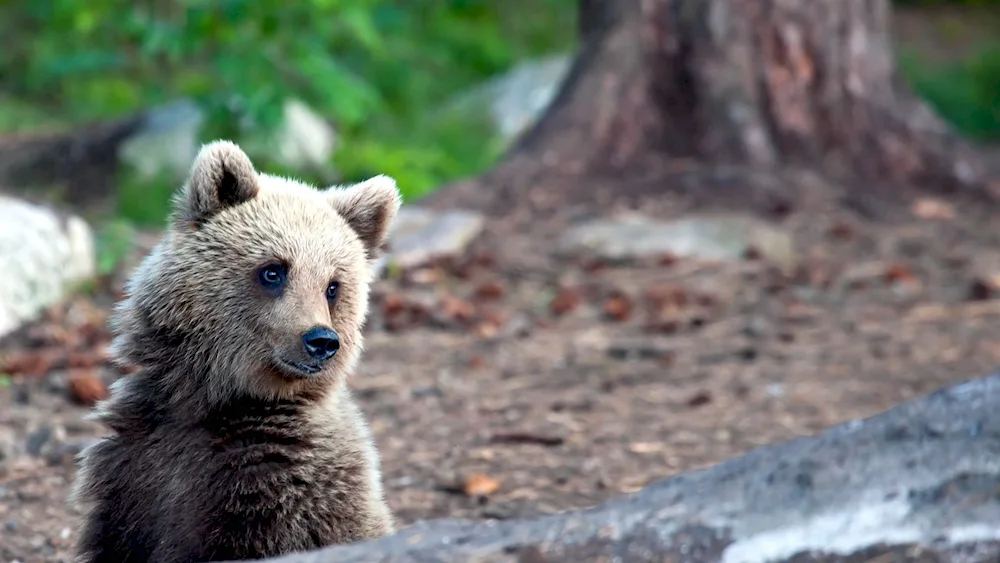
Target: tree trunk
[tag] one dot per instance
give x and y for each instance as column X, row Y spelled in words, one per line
column 756, row 83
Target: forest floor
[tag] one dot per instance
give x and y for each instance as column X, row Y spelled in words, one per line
column 512, row 382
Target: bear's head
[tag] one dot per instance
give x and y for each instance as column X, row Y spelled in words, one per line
column 260, row 284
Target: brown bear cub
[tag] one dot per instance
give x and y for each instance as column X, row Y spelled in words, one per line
column 238, row 437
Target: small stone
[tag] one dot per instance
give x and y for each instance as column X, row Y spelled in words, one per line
column 168, row 142
column 420, row 235
column 708, row 237
column 43, row 254
column 515, row 99
column 38, row 439
column 306, row 139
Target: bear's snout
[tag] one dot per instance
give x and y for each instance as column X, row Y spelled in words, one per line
column 320, row 343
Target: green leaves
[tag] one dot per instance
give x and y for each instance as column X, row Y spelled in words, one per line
column 376, row 69
column 966, row 94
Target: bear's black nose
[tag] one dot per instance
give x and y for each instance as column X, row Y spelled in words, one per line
column 321, row 343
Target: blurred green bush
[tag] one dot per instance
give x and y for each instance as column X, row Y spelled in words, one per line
column 967, row 94
column 375, row 68
column 945, row 2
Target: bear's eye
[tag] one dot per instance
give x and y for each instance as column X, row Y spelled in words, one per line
column 331, row 290
column 272, row 276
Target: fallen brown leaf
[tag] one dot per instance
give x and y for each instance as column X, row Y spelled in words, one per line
column 32, row 362
column 565, row 301
column 85, row 359
column 701, row 398
column 479, row 485
column 899, row 273
column 393, row 304
column 668, row 259
column 86, row 388
column 457, row 309
column 490, row 290
column 484, row 259
column 841, row 230
column 618, row 307
column 594, row 266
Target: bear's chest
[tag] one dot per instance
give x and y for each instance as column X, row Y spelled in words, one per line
column 275, row 497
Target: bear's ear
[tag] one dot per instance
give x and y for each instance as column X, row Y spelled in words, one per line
column 221, row 176
column 369, row 208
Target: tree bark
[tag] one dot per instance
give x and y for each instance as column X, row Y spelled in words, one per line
column 758, row 83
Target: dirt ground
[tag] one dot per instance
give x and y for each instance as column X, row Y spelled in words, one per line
column 511, row 382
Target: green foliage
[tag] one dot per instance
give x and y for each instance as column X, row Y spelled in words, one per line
column 966, row 94
column 924, row 3
column 113, row 243
column 375, row 68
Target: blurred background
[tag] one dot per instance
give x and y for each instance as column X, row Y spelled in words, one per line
column 505, row 376
column 336, row 90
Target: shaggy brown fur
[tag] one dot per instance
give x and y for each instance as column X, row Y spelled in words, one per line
column 233, row 441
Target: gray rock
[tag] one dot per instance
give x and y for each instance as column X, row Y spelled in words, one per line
column 302, row 141
column 523, row 94
column 167, row 142
column 43, row 255
column 419, row 235
column 916, row 483
column 515, row 99
column 710, row 237
column 305, row 139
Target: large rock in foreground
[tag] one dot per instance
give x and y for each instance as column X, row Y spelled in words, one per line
column 42, row 256
column 918, row 483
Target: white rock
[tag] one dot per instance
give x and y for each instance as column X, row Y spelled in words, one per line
column 305, row 139
column 42, row 256
column 515, row 99
column 524, row 93
column 167, row 143
column 708, row 237
column 419, row 235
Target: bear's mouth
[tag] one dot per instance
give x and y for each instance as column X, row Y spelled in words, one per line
column 297, row 369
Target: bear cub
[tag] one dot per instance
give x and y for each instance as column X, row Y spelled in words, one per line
column 238, row 438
